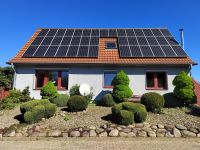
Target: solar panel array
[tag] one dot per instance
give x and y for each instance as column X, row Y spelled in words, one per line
column 85, row 43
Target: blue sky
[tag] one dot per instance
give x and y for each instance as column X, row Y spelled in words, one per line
column 20, row 18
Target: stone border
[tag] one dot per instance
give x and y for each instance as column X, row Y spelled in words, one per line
column 108, row 130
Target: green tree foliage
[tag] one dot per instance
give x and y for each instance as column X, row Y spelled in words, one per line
column 6, row 75
column 184, row 88
column 49, row 91
column 121, row 90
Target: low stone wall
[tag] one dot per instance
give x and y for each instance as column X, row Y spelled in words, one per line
column 110, row 130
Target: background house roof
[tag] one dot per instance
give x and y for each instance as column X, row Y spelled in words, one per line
column 135, row 46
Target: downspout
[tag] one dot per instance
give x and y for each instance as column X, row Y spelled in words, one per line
column 14, row 77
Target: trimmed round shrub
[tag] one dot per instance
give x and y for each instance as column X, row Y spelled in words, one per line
column 61, row 100
column 28, row 117
column 138, row 110
column 49, row 91
column 107, row 100
column 34, row 110
column 125, row 117
column 121, row 90
column 171, row 101
column 50, row 110
column 77, row 103
column 153, row 102
column 38, row 112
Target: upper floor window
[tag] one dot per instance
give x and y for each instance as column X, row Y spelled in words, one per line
column 59, row 78
column 156, row 80
column 108, row 77
column 111, row 45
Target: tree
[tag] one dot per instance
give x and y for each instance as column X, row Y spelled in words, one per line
column 49, row 91
column 6, row 75
column 184, row 88
column 121, row 90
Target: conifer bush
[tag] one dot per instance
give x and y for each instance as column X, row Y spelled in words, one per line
column 121, row 90
column 49, row 91
column 184, row 88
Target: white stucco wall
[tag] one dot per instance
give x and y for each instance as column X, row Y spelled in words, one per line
column 25, row 76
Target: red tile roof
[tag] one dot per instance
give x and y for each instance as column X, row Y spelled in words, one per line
column 104, row 57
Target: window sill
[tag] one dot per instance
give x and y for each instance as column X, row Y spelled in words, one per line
column 108, row 87
column 38, row 89
column 151, row 88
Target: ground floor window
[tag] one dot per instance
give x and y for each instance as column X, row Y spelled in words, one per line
column 156, row 80
column 58, row 77
column 108, row 77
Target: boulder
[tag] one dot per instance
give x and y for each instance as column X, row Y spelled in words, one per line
column 131, row 134
column 160, row 134
column 142, row 134
column 154, row 127
column 36, row 128
column 93, row 133
column 74, row 134
column 18, row 135
column 1, row 137
column 103, row 134
column 161, row 130
column 65, row 134
column 126, row 130
column 198, row 135
column 151, row 134
column 99, row 130
column 181, row 127
column 10, row 133
column 193, row 130
column 92, row 127
column 85, row 134
column 123, row 134
column 54, row 133
column 160, row 126
column 139, row 125
column 114, row 132
column 168, row 134
column 176, row 132
column 186, row 133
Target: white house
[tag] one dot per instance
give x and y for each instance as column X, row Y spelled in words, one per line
column 151, row 57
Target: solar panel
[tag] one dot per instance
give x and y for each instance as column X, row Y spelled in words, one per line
column 62, row 50
column 168, row 51
column 72, row 52
column 52, row 32
column 157, row 51
column 37, row 40
column 93, row 51
column 60, row 32
column 83, row 51
column 125, row 51
column 40, row 51
column 130, row 32
column 47, row 41
column 147, row 42
column 30, row 51
column 104, row 33
column 135, row 51
column 146, row 51
column 51, row 51
column 138, row 32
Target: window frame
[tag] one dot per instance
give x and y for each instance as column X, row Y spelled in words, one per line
column 108, row 86
column 59, row 78
column 155, row 79
column 107, row 48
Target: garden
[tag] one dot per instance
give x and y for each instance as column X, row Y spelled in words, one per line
column 169, row 115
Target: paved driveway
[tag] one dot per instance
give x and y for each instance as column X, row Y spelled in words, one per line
column 102, row 144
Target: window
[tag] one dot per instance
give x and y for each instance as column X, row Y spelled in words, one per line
column 59, row 78
column 108, row 77
column 156, row 80
column 111, row 45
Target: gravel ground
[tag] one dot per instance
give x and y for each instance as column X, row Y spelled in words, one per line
column 174, row 116
column 94, row 115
